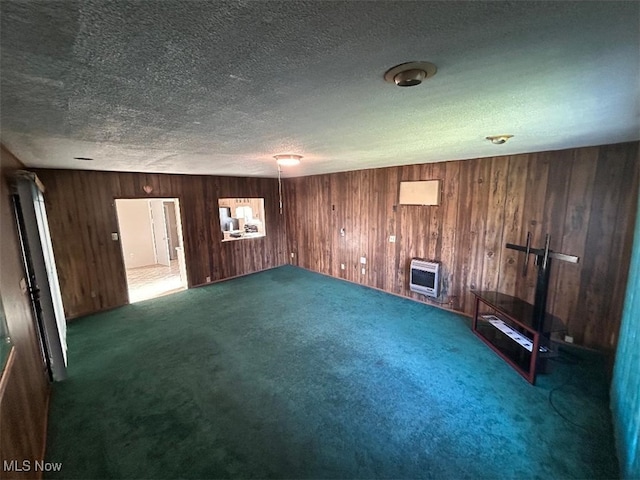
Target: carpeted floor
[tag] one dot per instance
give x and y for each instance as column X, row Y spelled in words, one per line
column 291, row 374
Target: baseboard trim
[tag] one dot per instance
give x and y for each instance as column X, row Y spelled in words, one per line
column 417, row 300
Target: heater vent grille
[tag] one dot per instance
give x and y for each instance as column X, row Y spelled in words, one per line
column 425, row 277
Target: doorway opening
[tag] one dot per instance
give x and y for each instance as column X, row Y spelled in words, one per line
column 152, row 246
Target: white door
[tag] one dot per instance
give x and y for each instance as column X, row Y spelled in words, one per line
column 160, row 236
column 41, row 266
column 172, row 227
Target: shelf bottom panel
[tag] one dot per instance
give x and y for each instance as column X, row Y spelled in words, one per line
column 512, row 333
column 518, row 355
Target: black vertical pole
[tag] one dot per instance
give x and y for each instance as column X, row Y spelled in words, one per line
column 542, row 287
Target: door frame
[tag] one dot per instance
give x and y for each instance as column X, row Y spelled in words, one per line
column 40, row 266
column 179, row 226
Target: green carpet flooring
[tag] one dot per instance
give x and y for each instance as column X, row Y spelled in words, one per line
column 291, row 374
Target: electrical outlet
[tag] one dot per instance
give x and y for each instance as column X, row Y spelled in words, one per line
column 23, row 285
column 208, row 279
column 363, row 260
column 342, row 266
column 568, row 339
column 392, row 239
column 114, row 236
column 293, row 255
column 364, row 270
column 342, row 232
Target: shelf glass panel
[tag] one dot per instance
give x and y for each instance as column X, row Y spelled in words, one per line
column 519, row 309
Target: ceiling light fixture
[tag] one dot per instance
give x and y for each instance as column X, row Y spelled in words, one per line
column 285, row 160
column 288, row 159
column 498, row 139
column 410, row 74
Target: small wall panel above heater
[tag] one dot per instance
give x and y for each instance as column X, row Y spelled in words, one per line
column 425, row 277
column 420, row 193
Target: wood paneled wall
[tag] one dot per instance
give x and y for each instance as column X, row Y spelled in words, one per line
column 584, row 198
column 82, row 216
column 24, row 388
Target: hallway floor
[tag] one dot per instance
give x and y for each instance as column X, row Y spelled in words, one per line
column 153, row 281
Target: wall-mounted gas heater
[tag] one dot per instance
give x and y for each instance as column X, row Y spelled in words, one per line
column 425, row 277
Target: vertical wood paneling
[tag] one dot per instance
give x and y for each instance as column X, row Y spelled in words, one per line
column 567, row 288
column 314, row 246
column 350, row 238
column 494, row 224
column 554, row 219
column 533, row 207
column 337, row 242
column 583, row 197
column 82, row 217
column 435, row 171
column 449, row 232
column 361, row 219
column 479, row 214
column 461, row 249
column 514, row 223
column 380, row 249
column 289, row 193
column 389, row 214
column 602, row 248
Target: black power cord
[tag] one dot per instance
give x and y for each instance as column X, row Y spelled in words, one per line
column 567, row 359
column 555, row 409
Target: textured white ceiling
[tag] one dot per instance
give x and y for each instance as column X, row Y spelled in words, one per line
column 205, row 87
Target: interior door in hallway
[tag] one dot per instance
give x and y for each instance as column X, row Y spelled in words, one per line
column 172, row 228
column 161, row 238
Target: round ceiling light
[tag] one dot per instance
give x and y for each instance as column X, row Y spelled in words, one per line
column 287, row 159
column 410, row 74
column 498, row 139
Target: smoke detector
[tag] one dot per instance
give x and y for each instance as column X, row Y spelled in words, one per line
column 498, row 139
column 410, row 74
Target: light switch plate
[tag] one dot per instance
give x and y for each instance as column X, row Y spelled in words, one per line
column 363, row 260
column 392, row 238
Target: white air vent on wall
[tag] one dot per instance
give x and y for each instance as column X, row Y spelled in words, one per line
column 420, row 193
column 425, row 277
